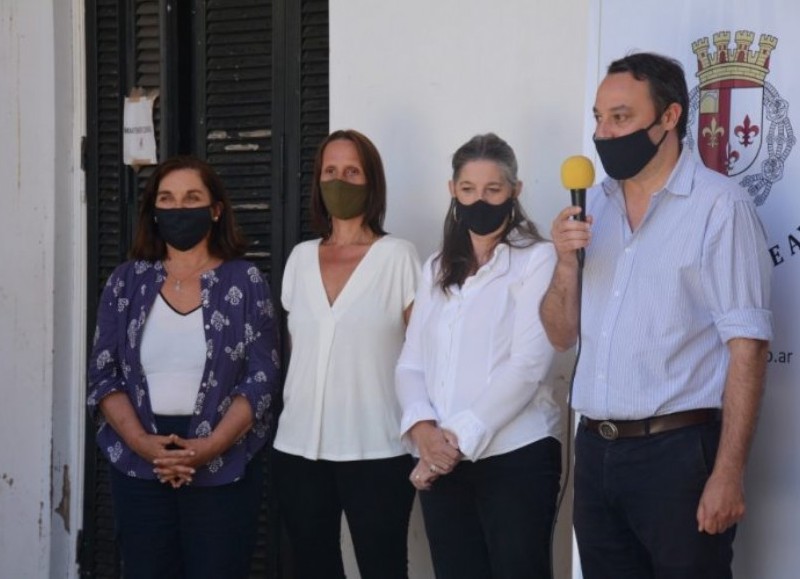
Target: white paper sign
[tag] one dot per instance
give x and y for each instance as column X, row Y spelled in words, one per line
column 139, row 141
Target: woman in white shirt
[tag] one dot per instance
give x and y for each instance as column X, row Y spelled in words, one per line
column 348, row 296
column 470, row 380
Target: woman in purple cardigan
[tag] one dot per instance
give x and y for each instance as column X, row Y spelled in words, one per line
column 181, row 379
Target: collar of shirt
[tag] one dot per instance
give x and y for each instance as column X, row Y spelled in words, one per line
column 680, row 181
column 497, row 265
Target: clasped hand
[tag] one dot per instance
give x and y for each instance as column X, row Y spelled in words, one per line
column 438, row 451
column 175, row 459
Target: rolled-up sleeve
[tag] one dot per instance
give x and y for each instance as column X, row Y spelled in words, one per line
column 261, row 378
column 104, row 371
column 738, row 271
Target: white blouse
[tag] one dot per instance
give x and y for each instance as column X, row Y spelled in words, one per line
column 339, row 401
column 173, row 355
column 475, row 360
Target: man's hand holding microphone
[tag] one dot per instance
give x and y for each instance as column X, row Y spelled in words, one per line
column 571, row 230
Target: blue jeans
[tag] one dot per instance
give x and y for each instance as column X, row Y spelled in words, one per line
column 636, row 506
column 190, row 532
column 376, row 498
column 492, row 519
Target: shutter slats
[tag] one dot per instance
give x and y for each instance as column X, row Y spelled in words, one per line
column 148, row 46
column 108, row 218
column 314, row 91
column 112, row 219
column 237, row 116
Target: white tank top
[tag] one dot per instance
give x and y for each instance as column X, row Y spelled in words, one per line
column 173, row 358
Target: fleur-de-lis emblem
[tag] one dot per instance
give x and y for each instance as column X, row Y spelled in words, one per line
column 731, row 157
column 713, row 132
column 746, row 131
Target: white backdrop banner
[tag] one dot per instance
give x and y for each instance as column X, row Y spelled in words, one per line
column 741, row 61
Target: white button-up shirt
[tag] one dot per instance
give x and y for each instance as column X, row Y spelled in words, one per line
column 659, row 303
column 475, row 360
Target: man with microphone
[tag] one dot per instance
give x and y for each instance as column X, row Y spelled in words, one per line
column 674, row 324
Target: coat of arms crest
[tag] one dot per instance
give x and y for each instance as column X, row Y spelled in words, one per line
column 729, row 106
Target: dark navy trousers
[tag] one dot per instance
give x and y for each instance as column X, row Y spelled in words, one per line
column 187, row 533
column 636, row 505
column 492, row 519
column 375, row 496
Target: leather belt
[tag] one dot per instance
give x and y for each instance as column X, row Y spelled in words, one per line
column 614, row 429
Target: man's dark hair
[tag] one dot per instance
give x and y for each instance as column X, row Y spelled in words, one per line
column 665, row 77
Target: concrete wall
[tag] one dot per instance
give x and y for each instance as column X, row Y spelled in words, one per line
column 27, row 173
column 41, row 318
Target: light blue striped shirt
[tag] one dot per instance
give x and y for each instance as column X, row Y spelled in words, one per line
column 660, row 303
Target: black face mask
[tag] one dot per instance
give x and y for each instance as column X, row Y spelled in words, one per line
column 183, row 228
column 624, row 157
column 482, row 218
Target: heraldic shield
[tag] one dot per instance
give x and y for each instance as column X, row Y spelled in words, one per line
column 729, row 126
column 731, row 99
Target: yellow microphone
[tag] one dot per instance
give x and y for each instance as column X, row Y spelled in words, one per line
column 577, row 175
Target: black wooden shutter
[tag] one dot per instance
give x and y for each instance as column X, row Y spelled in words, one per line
column 234, row 90
column 233, row 131
column 314, row 90
column 123, row 40
column 243, row 84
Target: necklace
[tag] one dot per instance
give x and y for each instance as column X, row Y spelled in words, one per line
column 177, row 282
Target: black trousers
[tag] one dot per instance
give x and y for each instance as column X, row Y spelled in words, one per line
column 186, row 533
column 636, row 505
column 492, row 519
column 375, row 496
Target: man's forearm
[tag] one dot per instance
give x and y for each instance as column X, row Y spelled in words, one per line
column 741, row 400
column 559, row 307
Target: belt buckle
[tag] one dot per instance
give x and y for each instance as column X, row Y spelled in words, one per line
column 608, row 430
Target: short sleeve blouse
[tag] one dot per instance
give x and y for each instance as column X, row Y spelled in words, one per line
column 339, row 401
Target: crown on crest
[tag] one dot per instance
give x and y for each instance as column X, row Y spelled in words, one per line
column 738, row 62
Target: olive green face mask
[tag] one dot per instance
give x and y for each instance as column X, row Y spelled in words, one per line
column 343, row 200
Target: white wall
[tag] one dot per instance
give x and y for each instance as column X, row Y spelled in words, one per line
column 69, row 307
column 420, row 77
column 26, row 287
column 41, row 319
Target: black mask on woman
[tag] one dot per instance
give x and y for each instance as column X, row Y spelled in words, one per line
column 624, row 157
column 183, row 228
column 482, row 218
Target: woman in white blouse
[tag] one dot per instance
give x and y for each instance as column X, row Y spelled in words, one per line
column 470, row 380
column 348, row 296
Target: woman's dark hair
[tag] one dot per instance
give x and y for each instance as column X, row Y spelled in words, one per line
column 225, row 242
column 457, row 260
column 665, row 78
column 376, row 184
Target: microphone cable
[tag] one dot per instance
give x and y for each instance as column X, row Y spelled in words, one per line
column 577, row 175
column 570, row 437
